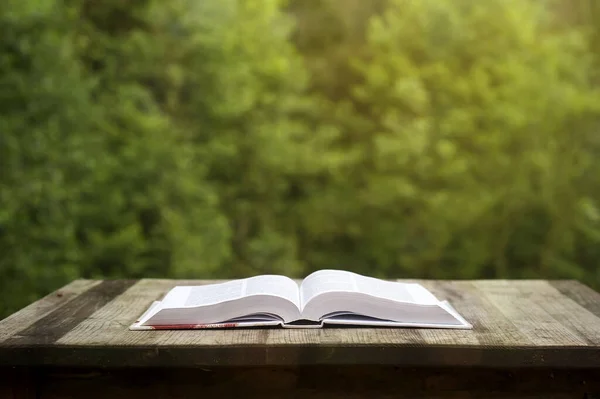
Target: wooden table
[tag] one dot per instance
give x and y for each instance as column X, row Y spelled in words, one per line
column 531, row 339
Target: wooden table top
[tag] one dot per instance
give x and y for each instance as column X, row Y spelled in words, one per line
column 520, row 323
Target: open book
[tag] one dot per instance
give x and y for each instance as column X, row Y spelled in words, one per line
column 325, row 297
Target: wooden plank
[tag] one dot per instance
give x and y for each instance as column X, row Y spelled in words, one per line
column 54, row 325
column 108, row 326
column 333, row 345
column 520, row 301
column 321, row 382
column 40, row 309
column 490, row 326
column 565, row 311
column 505, row 335
column 581, row 294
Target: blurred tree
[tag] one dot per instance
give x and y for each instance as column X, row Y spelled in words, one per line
column 327, row 33
column 95, row 180
column 38, row 155
column 245, row 107
column 585, row 15
column 470, row 127
column 223, row 138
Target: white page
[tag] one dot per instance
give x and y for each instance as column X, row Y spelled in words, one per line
column 326, row 281
column 395, row 291
column 203, row 295
column 256, row 289
column 337, row 280
column 281, row 286
column 209, row 294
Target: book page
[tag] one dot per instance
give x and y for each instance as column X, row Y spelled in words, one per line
column 324, row 281
column 394, row 291
column 279, row 286
column 209, row 294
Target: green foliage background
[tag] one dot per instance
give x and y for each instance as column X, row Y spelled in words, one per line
column 225, row 138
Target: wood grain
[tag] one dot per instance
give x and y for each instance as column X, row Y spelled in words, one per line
column 52, row 326
column 523, row 303
column 581, row 294
column 109, row 325
column 531, row 323
column 37, row 310
column 563, row 310
column 491, row 328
